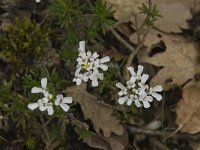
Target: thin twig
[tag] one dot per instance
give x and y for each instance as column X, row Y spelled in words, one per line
column 38, row 26
column 53, row 145
column 134, row 53
column 119, row 38
column 159, row 133
column 163, row 127
column 45, row 130
column 150, row 3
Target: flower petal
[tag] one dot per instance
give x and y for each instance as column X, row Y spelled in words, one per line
column 103, row 67
column 129, row 102
column 120, row 93
column 59, row 96
column 144, row 78
column 67, row 100
column 121, row 86
column 105, row 59
column 83, row 55
column 89, row 54
column 44, row 83
column 95, row 55
column 146, row 104
column 137, row 103
column 95, row 82
column 122, row 100
column 36, row 90
column 81, row 46
column 50, row 110
column 149, row 98
column 45, row 99
column 100, row 76
column 132, row 79
column 42, row 106
column 77, row 72
column 157, row 96
column 57, row 101
column 65, row 107
column 140, row 69
column 85, row 78
column 33, row 106
column 45, row 93
column 78, row 81
column 157, row 88
column 131, row 70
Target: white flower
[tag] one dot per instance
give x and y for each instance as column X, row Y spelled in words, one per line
column 47, row 102
column 33, row 106
column 138, row 76
column 43, row 104
column 137, row 91
column 46, row 106
column 43, row 87
column 89, row 65
column 63, row 101
column 123, row 89
column 152, row 91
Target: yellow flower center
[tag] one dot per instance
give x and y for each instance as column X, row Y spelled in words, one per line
column 49, row 97
column 86, row 66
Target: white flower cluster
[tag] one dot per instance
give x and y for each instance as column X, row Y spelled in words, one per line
column 47, row 102
column 88, row 66
column 137, row 90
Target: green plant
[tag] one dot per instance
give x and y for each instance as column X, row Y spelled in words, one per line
column 31, row 143
column 151, row 12
column 102, row 18
column 108, row 79
column 66, row 12
column 85, row 134
column 22, row 42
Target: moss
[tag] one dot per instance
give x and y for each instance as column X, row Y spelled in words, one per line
column 22, row 42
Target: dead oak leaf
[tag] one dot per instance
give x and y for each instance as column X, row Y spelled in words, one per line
column 113, row 53
column 175, row 12
column 114, row 142
column 188, row 110
column 179, row 60
column 100, row 115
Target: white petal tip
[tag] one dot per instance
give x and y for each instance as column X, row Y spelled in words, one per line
column 32, row 106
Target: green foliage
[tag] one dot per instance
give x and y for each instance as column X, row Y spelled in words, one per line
column 151, row 13
column 101, row 18
column 129, row 113
column 79, row 22
column 4, row 92
column 85, row 133
column 29, row 82
column 31, row 143
column 66, row 12
column 22, row 41
column 69, row 49
column 108, row 78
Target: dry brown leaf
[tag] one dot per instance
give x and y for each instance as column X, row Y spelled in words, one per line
column 175, row 15
column 114, row 142
column 195, row 7
column 96, row 141
column 113, row 53
column 175, row 12
column 100, row 115
column 179, row 61
column 123, row 8
column 188, row 110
